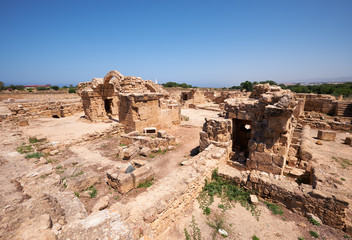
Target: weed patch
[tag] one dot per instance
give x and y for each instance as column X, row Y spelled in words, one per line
column 33, row 140
column 92, row 191
column 345, row 163
column 146, row 184
column 314, row 222
column 275, row 209
column 254, row 237
column 34, row 155
column 218, row 223
column 314, row 234
column 77, row 194
column 77, row 174
column 228, row 192
column 194, row 233
column 24, row 149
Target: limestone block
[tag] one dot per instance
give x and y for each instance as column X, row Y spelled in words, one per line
column 124, row 182
column 142, row 174
column 326, row 135
column 145, row 151
column 130, row 152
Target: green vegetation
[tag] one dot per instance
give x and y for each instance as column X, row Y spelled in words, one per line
column 254, row 237
column 343, row 179
column 216, row 224
column 314, row 234
column 122, row 144
column 229, row 193
column 92, row 191
column 55, row 88
column 248, row 86
column 194, row 233
column 77, row 194
column 346, row 237
column 300, row 238
column 342, row 161
column 117, row 197
column 344, row 89
column 24, row 148
column 72, row 90
column 314, row 222
column 33, row 140
column 275, row 209
column 77, row 174
column 151, row 156
column 206, row 211
column 33, row 155
column 146, row 184
column 174, row 84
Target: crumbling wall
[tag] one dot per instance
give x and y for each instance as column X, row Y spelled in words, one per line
column 270, row 113
column 21, row 109
column 320, row 103
column 131, row 100
column 332, row 209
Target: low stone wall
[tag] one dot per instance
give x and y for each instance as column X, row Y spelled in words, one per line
column 34, row 109
column 302, row 199
column 320, row 103
column 203, row 164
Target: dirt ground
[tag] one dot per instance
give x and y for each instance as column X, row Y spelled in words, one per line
column 24, row 181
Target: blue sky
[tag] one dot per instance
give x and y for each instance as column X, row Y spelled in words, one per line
column 203, row 43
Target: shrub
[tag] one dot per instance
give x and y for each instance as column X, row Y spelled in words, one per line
column 254, row 237
column 72, row 90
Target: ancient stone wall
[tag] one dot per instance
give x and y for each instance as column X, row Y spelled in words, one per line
column 133, row 101
column 22, row 109
column 331, row 209
column 266, row 122
column 319, row 103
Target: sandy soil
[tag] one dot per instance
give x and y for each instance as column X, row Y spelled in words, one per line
column 63, row 129
column 94, row 158
column 197, row 116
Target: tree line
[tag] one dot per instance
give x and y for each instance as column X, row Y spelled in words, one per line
column 21, row 87
column 175, row 84
column 344, row 89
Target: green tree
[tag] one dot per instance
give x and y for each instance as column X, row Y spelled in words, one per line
column 247, row 85
column 55, row 88
column 1, row 86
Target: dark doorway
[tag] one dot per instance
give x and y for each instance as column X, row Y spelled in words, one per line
column 241, row 134
column 185, row 96
column 108, row 103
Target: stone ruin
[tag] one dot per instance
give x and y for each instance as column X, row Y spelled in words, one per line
column 259, row 128
column 270, row 153
column 134, row 102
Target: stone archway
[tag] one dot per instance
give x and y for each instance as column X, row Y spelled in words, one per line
column 108, row 77
column 111, row 87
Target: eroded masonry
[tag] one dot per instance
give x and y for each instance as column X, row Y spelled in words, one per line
column 128, row 159
column 136, row 103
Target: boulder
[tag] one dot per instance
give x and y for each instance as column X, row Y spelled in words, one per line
column 101, row 204
column 348, row 141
